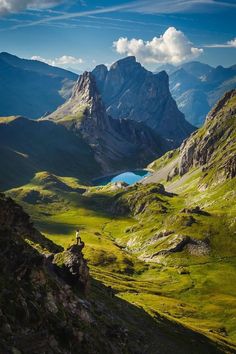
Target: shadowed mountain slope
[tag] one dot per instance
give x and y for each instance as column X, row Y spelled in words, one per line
column 31, row 88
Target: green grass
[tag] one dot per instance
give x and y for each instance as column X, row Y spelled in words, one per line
column 203, row 297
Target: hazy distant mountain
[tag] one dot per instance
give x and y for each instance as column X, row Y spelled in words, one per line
column 130, row 91
column 196, row 87
column 32, row 88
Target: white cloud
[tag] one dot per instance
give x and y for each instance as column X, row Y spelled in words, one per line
column 11, row 6
column 229, row 44
column 62, row 61
column 171, row 47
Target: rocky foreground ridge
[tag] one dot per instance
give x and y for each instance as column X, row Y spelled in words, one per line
column 38, row 310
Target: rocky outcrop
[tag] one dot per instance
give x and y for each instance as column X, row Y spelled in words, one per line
column 130, row 91
column 175, row 244
column 169, row 243
column 115, row 142
column 71, row 266
column 204, row 146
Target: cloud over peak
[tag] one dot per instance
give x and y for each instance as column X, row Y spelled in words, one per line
column 172, row 47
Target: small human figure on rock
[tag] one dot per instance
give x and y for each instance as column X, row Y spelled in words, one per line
column 78, row 238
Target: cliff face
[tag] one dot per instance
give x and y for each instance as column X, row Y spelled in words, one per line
column 211, row 149
column 214, row 144
column 117, row 143
column 130, row 91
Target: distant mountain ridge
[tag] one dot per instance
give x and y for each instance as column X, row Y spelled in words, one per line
column 31, row 88
column 28, row 147
column 132, row 92
column 196, row 87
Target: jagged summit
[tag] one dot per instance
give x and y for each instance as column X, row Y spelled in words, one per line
column 114, row 141
column 127, row 64
column 132, row 92
column 84, row 110
column 86, row 86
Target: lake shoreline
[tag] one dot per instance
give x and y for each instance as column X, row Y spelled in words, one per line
column 120, row 172
column 132, row 177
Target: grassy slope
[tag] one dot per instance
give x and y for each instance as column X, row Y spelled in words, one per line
column 196, row 290
column 203, row 298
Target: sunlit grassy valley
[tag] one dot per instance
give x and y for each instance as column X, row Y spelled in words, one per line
column 168, row 248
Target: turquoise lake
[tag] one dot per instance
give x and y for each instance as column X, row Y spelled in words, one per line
column 130, row 177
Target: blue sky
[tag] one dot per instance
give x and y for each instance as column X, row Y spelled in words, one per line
column 81, row 34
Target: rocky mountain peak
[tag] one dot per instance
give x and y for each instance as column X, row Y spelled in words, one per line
column 85, row 103
column 126, row 64
column 85, row 88
column 100, row 72
column 130, row 91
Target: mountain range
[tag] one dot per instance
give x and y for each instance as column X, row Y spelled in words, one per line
column 196, row 87
column 130, row 91
column 117, row 143
column 31, row 88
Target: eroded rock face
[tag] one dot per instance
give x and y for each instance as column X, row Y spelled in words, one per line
column 115, row 142
column 130, row 91
column 72, row 267
column 204, row 146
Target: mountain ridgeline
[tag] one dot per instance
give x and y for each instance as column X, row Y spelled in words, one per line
column 196, row 87
column 211, row 149
column 31, row 88
column 132, row 92
column 117, row 143
column 28, row 147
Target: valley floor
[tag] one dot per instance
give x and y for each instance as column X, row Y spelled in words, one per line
column 196, row 291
